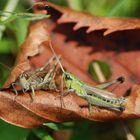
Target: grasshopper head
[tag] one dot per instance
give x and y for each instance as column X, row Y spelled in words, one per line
column 23, row 81
column 67, row 76
column 71, row 81
column 68, row 79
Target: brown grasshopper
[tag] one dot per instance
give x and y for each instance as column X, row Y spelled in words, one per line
column 42, row 78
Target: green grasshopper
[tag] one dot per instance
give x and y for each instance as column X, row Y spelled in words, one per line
column 42, row 78
column 95, row 96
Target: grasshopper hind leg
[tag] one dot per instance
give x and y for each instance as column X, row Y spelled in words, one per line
column 115, row 82
column 32, row 94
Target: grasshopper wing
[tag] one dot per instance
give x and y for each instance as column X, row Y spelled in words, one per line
column 98, row 92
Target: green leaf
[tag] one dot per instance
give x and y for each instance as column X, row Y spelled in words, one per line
column 83, row 130
column 75, row 4
column 3, row 76
column 59, row 126
column 20, row 29
column 7, row 45
column 99, row 70
column 10, row 132
column 42, row 134
column 26, row 16
column 59, row 2
column 136, row 125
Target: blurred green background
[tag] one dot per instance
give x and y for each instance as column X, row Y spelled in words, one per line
column 11, row 37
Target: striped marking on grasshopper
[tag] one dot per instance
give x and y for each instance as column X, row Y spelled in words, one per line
column 95, row 96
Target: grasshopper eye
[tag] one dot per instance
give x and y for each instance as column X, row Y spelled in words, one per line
column 121, row 79
column 68, row 77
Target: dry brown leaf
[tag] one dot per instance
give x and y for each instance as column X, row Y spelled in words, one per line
column 79, row 38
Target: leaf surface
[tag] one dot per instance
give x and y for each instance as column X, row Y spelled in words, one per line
column 80, row 38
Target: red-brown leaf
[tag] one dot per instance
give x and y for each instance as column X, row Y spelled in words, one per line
column 79, row 38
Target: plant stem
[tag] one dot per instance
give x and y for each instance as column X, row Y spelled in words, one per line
column 10, row 7
column 75, row 4
column 115, row 9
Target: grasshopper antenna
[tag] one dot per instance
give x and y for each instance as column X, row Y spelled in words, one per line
column 50, row 43
column 61, row 95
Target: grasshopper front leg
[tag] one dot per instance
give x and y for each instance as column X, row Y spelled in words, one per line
column 13, row 86
column 66, row 91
